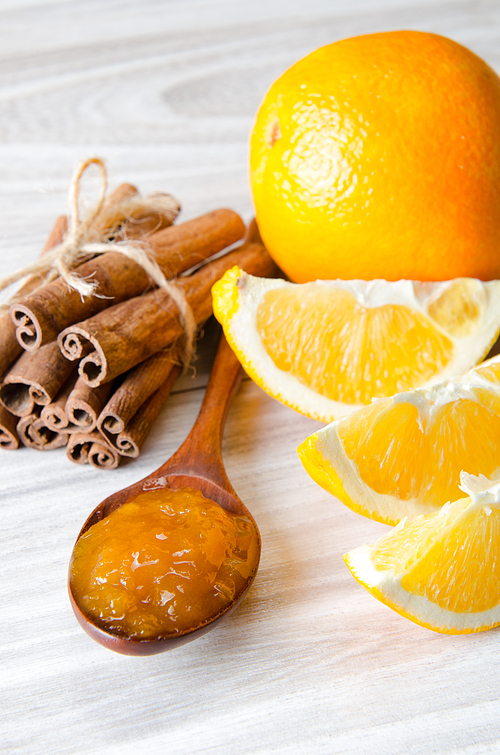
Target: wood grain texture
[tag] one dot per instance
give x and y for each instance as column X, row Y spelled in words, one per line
column 310, row 663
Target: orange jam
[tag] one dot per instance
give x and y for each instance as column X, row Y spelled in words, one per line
column 164, row 562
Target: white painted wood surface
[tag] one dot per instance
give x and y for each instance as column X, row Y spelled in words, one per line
column 165, row 90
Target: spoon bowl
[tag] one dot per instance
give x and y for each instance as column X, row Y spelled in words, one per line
column 197, row 464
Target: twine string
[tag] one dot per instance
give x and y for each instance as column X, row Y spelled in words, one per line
column 84, row 241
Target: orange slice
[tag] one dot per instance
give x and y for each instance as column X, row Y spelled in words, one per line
column 327, row 348
column 440, row 570
column 402, row 456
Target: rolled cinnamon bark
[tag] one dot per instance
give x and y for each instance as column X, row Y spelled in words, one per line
column 84, row 404
column 45, row 313
column 10, row 348
column 24, row 427
column 134, row 221
column 92, row 448
column 54, row 414
column 138, row 225
column 135, row 227
column 122, row 192
column 35, row 378
column 45, row 439
column 128, row 333
column 14, row 335
column 126, row 215
column 137, row 386
column 129, row 442
column 34, row 433
column 132, row 421
column 55, row 237
column 8, row 433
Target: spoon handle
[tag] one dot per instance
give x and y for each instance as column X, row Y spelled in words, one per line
column 201, row 454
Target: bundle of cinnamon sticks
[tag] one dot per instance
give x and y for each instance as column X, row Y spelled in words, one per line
column 91, row 374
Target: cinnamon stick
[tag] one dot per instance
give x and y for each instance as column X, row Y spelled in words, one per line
column 10, row 348
column 54, row 414
column 129, row 442
column 128, row 417
column 42, row 315
column 127, row 333
column 44, row 438
column 24, row 427
column 92, row 448
column 8, row 433
column 84, row 404
column 21, row 330
column 35, row 378
column 34, row 433
column 60, row 228
column 136, row 223
column 137, row 386
column 139, row 225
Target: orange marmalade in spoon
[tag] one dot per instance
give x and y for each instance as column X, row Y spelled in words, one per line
column 164, row 562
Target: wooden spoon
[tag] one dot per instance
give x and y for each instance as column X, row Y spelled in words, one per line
column 197, row 464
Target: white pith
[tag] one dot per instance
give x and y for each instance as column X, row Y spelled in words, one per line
column 482, row 491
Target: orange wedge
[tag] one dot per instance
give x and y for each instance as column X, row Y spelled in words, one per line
column 402, row 456
column 327, row 348
column 440, row 570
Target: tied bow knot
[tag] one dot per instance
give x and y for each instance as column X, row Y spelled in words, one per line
column 95, row 234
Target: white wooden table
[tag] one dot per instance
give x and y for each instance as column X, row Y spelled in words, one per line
column 165, row 90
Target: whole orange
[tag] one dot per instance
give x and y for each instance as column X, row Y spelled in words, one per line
column 379, row 157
